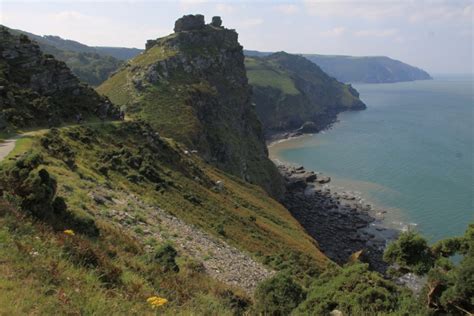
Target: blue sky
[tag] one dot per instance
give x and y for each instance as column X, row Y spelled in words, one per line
column 434, row 35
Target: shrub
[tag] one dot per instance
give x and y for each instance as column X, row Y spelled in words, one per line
column 82, row 252
column 355, row 290
column 410, row 251
column 165, row 256
column 278, row 295
column 36, row 191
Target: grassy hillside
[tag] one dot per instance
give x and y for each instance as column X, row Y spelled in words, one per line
column 114, row 180
column 290, row 91
column 191, row 86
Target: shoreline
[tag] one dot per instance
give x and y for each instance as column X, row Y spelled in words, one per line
column 339, row 221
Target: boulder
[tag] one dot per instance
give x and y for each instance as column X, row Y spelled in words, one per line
column 216, row 21
column 189, row 23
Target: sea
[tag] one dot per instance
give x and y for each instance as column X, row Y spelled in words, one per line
column 409, row 153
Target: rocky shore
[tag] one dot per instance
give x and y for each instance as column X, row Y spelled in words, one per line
column 340, row 222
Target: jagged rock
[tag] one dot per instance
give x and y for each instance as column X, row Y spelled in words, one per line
column 36, row 85
column 216, row 21
column 189, row 23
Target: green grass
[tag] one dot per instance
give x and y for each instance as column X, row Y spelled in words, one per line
column 263, row 74
column 152, row 55
column 76, row 289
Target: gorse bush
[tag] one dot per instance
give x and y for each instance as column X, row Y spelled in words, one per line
column 450, row 287
column 278, row 295
column 165, row 257
column 410, row 251
column 355, row 290
column 35, row 191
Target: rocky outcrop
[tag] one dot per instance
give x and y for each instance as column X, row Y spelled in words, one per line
column 200, row 74
column 293, row 94
column 344, row 227
column 38, row 89
column 189, row 23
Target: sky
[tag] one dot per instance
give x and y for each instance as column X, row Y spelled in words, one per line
column 434, row 35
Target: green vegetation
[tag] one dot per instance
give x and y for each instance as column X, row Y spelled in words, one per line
column 278, row 296
column 264, row 74
column 62, row 171
column 355, row 290
column 450, row 287
column 190, row 87
column 92, row 65
column 289, row 91
column 38, row 90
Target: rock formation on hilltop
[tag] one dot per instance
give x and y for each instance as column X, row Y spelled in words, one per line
column 192, row 86
column 36, row 89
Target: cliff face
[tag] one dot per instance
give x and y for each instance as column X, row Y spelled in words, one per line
column 192, row 86
column 36, row 89
column 291, row 93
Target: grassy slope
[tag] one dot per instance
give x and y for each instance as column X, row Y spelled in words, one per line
column 269, row 75
column 250, row 219
column 289, row 90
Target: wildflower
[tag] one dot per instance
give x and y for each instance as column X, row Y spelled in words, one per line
column 156, row 301
column 69, row 232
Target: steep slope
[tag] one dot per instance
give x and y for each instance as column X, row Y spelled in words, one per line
column 91, row 65
column 36, row 89
column 377, row 69
column 127, row 193
column 291, row 93
column 192, row 86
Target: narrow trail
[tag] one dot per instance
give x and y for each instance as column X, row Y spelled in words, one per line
column 7, row 146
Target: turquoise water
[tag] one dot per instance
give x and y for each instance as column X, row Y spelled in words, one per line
column 411, row 152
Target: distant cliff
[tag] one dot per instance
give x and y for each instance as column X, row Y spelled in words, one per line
column 293, row 94
column 379, row 69
column 192, row 86
column 368, row 69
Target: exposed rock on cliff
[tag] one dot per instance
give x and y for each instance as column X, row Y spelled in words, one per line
column 192, row 86
column 291, row 93
column 37, row 89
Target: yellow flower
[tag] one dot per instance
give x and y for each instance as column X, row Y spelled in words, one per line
column 69, row 232
column 156, row 301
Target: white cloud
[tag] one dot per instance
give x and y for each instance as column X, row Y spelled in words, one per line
column 443, row 13
column 287, row 8
column 225, row 8
column 189, row 4
column 337, row 31
column 353, row 8
column 247, row 23
column 376, row 33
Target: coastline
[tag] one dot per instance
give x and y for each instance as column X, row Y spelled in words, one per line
column 343, row 224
